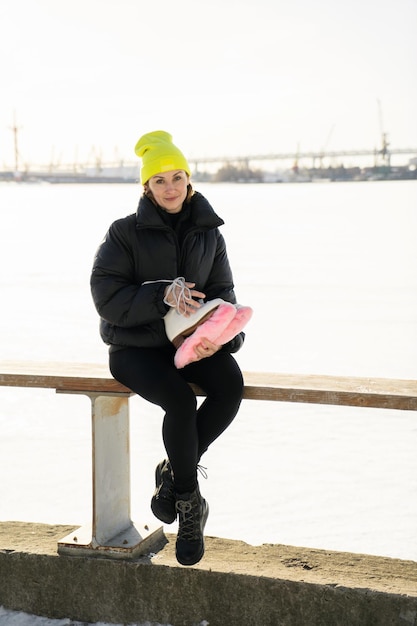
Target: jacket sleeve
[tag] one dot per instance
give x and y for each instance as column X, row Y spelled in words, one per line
column 235, row 344
column 220, row 281
column 118, row 298
column 220, row 285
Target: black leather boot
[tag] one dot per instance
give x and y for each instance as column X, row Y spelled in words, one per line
column 192, row 516
column 163, row 499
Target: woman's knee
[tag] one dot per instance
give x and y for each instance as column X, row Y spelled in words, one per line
column 225, row 378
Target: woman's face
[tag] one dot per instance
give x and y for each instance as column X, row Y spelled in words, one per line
column 169, row 189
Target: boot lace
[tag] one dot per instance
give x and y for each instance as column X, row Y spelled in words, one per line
column 166, row 488
column 188, row 520
column 203, row 471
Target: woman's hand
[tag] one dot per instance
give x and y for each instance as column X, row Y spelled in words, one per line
column 205, row 349
column 182, row 297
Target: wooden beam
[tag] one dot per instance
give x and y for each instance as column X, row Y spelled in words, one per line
column 305, row 388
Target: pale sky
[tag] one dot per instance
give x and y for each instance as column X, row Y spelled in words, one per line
column 224, row 77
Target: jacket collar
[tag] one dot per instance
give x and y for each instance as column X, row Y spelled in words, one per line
column 201, row 212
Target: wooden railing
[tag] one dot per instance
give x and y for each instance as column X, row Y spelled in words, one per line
column 112, row 532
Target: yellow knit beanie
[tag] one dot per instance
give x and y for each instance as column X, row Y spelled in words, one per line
column 159, row 154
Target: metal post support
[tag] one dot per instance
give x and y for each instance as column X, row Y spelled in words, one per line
column 112, row 532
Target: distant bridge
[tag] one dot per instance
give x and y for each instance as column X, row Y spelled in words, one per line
column 312, row 155
column 130, row 170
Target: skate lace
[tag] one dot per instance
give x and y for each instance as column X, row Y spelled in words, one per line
column 180, row 293
column 188, row 521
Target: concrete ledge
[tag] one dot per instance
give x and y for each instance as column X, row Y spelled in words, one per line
column 235, row 585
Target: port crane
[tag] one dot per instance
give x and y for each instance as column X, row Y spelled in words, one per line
column 15, row 129
column 384, row 151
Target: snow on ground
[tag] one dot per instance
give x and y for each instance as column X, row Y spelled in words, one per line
column 17, row 618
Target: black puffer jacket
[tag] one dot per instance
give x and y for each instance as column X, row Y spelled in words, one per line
column 144, row 247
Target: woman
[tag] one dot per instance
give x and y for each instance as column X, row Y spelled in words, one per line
column 173, row 233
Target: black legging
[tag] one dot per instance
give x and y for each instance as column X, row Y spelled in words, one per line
column 187, row 432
